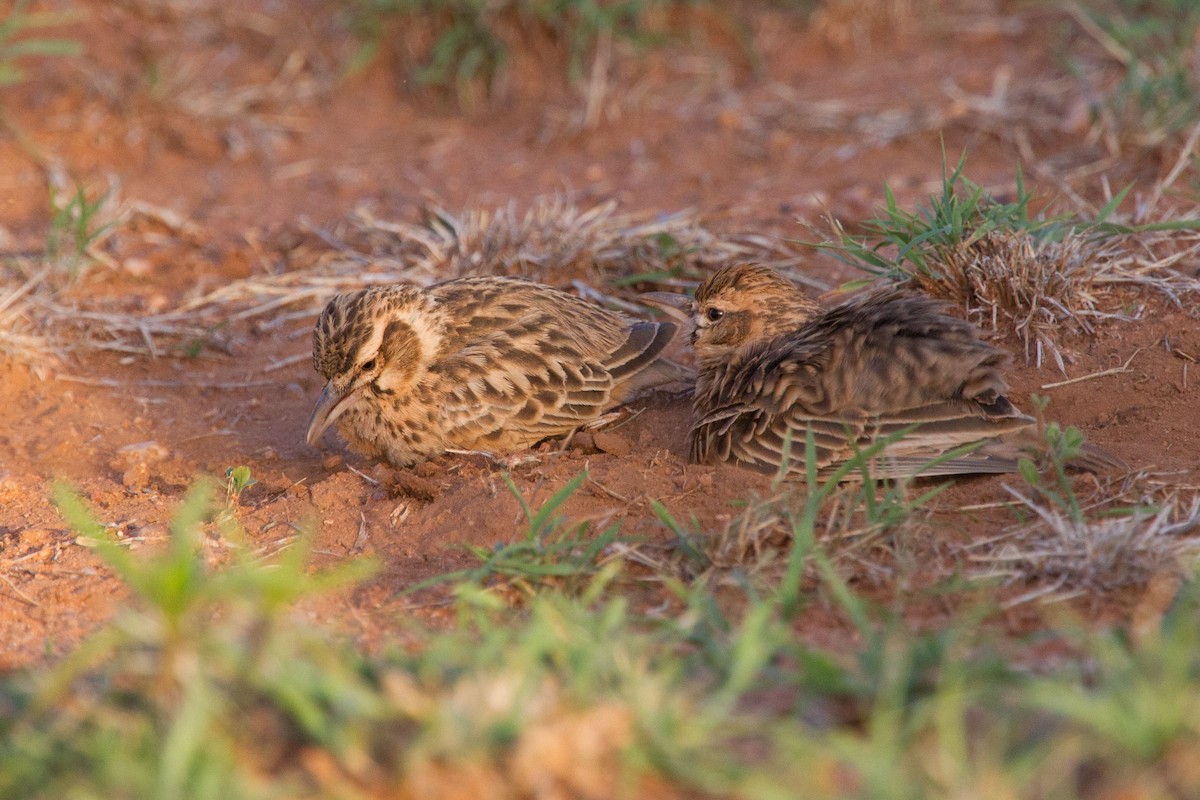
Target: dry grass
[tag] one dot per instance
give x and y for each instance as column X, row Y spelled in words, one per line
column 1005, row 281
column 850, row 530
column 1065, row 556
column 595, row 250
column 553, row 241
column 1136, row 63
column 1044, row 291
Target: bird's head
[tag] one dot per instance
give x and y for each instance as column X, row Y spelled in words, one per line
column 370, row 342
column 737, row 306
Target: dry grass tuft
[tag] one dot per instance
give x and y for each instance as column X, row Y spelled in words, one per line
column 1042, row 290
column 850, row 529
column 1068, row 556
column 19, row 335
column 1006, row 281
column 218, row 75
column 553, row 241
column 754, row 541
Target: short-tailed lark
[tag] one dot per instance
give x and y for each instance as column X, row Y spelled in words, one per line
column 774, row 365
column 492, row 364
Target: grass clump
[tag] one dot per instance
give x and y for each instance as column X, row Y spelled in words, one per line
column 1122, row 548
column 552, row 241
column 551, row 552
column 207, row 687
column 177, row 695
column 75, row 229
column 794, row 538
column 1066, row 544
column 461, row 45
column 1013, row 269
column 1131, row 703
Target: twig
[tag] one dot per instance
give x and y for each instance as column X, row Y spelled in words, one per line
column 23, row 289
column 24, row 598
column 1101, row 374
column 1034, row 594
column 987, row 506
column 222, row 432
column 360, row 541
column 286, row 362
column 1181, row 163
column 608, row 491
column 363, row 475
column 161, row 384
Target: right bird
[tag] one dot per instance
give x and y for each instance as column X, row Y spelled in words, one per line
column 773, row 365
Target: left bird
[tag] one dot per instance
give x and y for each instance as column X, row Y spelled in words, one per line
column 491, row 363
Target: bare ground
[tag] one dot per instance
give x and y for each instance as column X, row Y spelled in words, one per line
column 248, row 141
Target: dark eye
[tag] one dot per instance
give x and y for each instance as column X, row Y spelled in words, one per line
column 714, row 314
column 368, row 366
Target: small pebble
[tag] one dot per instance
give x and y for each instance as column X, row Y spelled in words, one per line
column 611, row 443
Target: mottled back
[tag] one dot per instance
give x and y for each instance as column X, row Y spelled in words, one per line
column 867, row 368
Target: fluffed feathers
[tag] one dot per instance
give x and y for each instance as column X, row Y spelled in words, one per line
column 774, row 366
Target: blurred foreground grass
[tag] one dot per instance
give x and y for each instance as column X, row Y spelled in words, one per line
column 207, row 685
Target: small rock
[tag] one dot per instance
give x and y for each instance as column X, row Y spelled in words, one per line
column 611, row 443
column 332, row 461
column 137, row 477
column 583, row 440
column 137, row 267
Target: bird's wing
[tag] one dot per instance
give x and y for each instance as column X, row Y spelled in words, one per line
column 530, row 380
column 756, row 436
column 643, row 345
column 638, row 363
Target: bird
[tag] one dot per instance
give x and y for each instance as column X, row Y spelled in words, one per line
column 773, row 365
column 491, row 364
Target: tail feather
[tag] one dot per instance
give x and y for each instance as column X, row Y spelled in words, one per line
column 1093, row 458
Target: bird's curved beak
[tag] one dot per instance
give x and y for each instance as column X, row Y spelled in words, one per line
column 678, row 306
column 330, row 405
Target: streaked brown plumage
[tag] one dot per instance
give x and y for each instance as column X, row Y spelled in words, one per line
column 773, row 365
column 493, row 364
